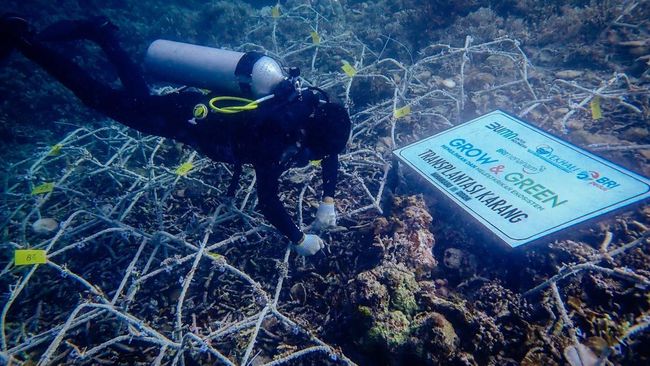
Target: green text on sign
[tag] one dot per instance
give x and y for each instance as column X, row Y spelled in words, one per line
column 25, row 257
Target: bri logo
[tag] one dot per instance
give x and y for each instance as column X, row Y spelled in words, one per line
column 595, row 179
column 588, row 175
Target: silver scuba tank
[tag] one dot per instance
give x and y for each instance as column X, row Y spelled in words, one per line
column 242, row 74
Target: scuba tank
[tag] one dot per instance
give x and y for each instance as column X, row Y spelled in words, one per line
column 249, row 74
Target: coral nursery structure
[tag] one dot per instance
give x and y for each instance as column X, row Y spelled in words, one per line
column 149, row 263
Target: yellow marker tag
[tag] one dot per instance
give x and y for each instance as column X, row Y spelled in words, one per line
column 315, row 38
column 216, row 256
column 275, row 12
column 43, row 188
column 315, row 163
column 55, row 150
column 184, row 168
column 596, row 112
column 401, row 112
column 25, row 257
column 348, row 69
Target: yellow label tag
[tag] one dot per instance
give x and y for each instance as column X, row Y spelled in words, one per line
column 43, row 188
column 25, row 257
column 596, row 112
column 216, row 256
column 55, row 150
column 401, row 112
column 315, row 163
column 315, row 38
column 275, row 12
column 348, row 69
column 184, row 168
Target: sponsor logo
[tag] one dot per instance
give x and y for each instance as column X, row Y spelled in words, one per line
column 544, row 150
column 588, row 175
column 546, row 153
column 506, row 133
column 597, row 180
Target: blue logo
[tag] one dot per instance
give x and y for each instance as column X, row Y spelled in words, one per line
column 544, row 150
column 588, row 175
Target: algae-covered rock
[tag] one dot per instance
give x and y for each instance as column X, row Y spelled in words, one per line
column 402, row 288
column 389, row 286
column 369, row 291
column 436, row 334
column 390, row 329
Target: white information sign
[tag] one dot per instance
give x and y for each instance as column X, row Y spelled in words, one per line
column 518, row 181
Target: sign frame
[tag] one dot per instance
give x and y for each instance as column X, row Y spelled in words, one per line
column 641, row 184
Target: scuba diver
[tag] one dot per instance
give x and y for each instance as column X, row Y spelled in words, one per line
column 287, row 126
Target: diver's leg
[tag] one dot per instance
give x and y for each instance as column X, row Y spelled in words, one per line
column 91, row 92
column 157, row 115
column 103, row 32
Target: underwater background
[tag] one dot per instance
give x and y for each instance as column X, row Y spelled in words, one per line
column 147, row 263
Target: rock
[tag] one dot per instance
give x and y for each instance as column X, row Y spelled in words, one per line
column 387, row 286
column 45, row 226
column 568, row 74
column 446, row 335
column 106, row 209
column 500, row 62
column 453, row 258
column 575, row 124
column 481, row 79
column 645, row 153
column 367, row 290
column 547, row 56
column 637, row 47
column 424, row 75
column 588, row 138
column 498, row 302
column 635, row 134
column 298, row 293
column 448, row 83
column 407, row 238
column 390, row 330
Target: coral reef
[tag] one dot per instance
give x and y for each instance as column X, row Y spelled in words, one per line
column 405, row 236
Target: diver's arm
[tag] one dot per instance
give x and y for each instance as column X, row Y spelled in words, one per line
column 270, row 205
column 330, row 166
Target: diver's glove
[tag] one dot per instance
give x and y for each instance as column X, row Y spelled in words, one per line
column 326, row 214
column 309, row 245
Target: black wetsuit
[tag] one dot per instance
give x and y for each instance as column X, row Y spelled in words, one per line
column 268, row 137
